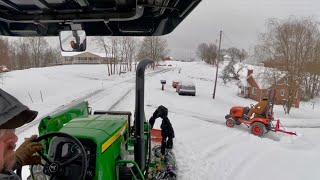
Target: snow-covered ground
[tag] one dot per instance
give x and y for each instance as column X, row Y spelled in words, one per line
column 205, row 148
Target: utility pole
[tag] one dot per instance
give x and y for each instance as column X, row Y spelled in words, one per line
column 217, row 64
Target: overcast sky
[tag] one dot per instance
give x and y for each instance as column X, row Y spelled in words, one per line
column 240, row 20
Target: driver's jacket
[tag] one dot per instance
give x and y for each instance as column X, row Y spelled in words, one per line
column 9, row 175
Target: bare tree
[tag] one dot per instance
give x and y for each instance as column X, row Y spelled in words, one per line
column 233, row 53
column 53, row 56
column 211, row 54
column 287, row 46
column 231, row 72
column 21, row 55
column 242, row 55
column 120, row 52
column 102, row 43
column 128, row 51
column 207, row 53
column 132, row 48
column 115, row 53
column 125, row 52
column 153, row 47
column 201, row 51
column 311, row 79
column 4, row 52
column 38, row 46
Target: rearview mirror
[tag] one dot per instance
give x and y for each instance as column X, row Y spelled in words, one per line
column 73, row 41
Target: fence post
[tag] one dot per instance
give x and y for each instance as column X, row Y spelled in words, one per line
column 41, row 95
column 30, row 97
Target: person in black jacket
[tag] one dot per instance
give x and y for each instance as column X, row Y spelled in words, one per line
column 167, row 131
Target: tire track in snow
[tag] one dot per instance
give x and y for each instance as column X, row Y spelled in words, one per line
column 303, row 126
column 57, row 110
column 196, row 115
column 205, row 118
column 241, row 128
column 132, row 88
column 121, row 99
column 238, row 172
column 89, row 95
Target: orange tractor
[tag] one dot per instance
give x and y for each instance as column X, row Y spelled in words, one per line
column 259, row 124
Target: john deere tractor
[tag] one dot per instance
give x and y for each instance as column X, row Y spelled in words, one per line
column 102, row 145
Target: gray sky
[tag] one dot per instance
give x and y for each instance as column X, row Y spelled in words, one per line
column 240, row 20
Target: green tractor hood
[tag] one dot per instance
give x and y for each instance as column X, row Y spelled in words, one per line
column 102, row 129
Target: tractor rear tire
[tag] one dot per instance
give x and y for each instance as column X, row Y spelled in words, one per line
column 258, row 129
column 230, row 122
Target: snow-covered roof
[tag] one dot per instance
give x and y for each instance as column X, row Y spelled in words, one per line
column 243, row 82
column 226, row 56
column 265, row 77
column 186, row 83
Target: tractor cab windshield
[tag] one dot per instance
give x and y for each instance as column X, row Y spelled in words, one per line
column 99, row 73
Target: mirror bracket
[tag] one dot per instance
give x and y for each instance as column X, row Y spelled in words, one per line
column 76, row 26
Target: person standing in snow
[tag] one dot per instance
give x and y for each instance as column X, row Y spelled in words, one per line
column 167, row 131
column 14, row 114
column 259, row 108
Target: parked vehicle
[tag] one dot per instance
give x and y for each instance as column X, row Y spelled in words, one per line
column 4, row 68
column 175, row 83
column 186, row 88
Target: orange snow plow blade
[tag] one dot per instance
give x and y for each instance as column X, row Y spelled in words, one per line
column 156, row 135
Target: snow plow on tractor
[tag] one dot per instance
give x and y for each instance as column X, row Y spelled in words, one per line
column 103, row 145
column 260, row 124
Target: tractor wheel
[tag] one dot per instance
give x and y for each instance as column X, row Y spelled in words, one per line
column 230, row 122
column 258, row 129
column 237, row 121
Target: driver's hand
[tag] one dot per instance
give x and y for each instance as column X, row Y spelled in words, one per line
column 25, row 151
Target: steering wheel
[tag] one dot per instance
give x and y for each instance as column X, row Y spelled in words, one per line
column 57, row 168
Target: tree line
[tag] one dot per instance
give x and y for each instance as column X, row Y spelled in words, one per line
column 28, row 52
column 122, row 52
column 292, row 46
column 208, row 53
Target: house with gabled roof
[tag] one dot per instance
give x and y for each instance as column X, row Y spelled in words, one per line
column 256, row 86
column 85, row 58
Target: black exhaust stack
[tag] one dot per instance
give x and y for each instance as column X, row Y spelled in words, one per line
column 139, row 149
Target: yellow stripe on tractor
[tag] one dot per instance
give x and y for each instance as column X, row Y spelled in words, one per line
column 110, row 141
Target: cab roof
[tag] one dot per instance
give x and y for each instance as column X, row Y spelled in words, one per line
column 96, row 17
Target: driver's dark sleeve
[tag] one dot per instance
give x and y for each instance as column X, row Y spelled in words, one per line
column 81, row 47
column 161, row 111
column 153, row 118
column 167, row 134
column 166, row 128
column 16, row 166
column 9, row 175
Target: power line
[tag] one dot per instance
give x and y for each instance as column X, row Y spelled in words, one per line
column 227, row 37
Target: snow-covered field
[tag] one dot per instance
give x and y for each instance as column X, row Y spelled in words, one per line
column 205, row 148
